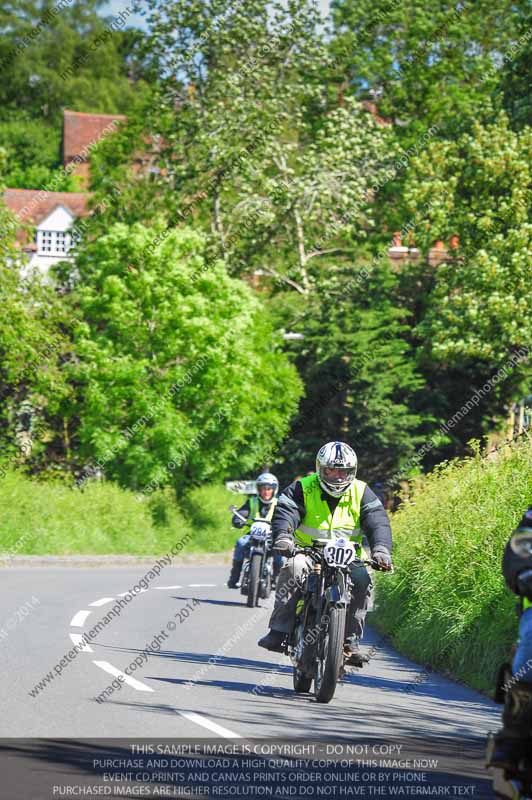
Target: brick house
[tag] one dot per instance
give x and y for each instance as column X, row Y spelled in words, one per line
column 80, row 133
column 53, row 214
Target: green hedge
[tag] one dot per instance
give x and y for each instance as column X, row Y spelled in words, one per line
column 50, row 519
column 446, row 605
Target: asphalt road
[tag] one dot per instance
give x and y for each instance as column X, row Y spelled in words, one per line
column 209, row 678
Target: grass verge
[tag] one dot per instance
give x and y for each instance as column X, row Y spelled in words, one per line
column 52, row 519
column 447, row 605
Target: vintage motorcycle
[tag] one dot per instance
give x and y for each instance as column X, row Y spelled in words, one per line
column 315, row 645
column 257, row 570
column 514, row 783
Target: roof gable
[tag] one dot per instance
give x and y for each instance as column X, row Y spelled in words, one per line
column 32, row 206
column 59, row 219
column 81, row 131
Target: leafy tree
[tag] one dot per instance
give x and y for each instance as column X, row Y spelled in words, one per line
column 177, row 377
column 32, row 347
column 478, row 307
column 33, row 155
column 430, row 69
column 471, row 313
column 516, row 76
column 360, row 372
column 69, row 57
column 249, row 145
column 424, row 63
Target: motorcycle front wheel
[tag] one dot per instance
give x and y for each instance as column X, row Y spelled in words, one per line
column 330, row 655
column 254, row 580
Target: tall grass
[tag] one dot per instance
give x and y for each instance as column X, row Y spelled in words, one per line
column 447, row 605
column 48, row 518
column 207, row 512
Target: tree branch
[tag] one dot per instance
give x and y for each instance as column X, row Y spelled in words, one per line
column 284, row 279
column 326, row 252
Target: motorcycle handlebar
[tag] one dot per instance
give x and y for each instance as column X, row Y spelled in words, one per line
column 315, row 555
column 248, row 522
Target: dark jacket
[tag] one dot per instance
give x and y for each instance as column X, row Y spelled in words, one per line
column 374, row 520
column 512, row 563
column 245, row 509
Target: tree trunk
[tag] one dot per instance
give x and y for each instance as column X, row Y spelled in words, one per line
column 301, row 250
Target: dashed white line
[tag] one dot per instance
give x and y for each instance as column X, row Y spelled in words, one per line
column 211, row 726
column 78, row 620
column 168, row 587
column 102, row 601
column 197, row 585
column 117, row 673
column 77, row 639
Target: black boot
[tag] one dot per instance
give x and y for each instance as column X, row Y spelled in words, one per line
column 513, row 741
column 273, row 640
column 353, row 656
column 236, row 569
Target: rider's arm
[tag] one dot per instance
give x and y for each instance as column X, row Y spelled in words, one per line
column 289, row 511
column 375, row 523
column 512, row 562
column 244, row 512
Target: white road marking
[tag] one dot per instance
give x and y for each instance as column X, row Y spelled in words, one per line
column 102, row 601
column 197, row 585
column 123, row 594
column 168, row 587
column 78, row 620
column 77, row 639
column 207, row 723
column 117, row 673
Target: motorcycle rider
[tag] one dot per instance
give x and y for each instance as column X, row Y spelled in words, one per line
column 257, row 506
column 326, row 504
column 514, row 739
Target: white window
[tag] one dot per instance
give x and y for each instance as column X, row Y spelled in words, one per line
column 54, row 243
column 46, row 241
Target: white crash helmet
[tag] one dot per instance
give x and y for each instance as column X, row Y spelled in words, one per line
column 268, row 479
column 338, row 456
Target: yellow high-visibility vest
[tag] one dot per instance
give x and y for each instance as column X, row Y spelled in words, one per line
column 320, row 523
column 254, row 508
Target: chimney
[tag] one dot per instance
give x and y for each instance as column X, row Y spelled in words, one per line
column 437, row 254
column 398, row 254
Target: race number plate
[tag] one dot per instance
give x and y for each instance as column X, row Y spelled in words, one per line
column 259, row 530
column 339, row 553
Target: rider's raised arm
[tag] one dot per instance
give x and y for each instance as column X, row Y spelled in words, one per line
column 289, row 511
column 374, row 521
column 514, row 561
column 244, row 512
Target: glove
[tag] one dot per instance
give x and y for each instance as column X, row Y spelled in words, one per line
column 382, row 556
column 524, row 583
column 284, row 543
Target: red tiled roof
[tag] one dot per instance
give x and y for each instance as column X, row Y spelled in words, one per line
column 81, row 130
column 31, row 205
